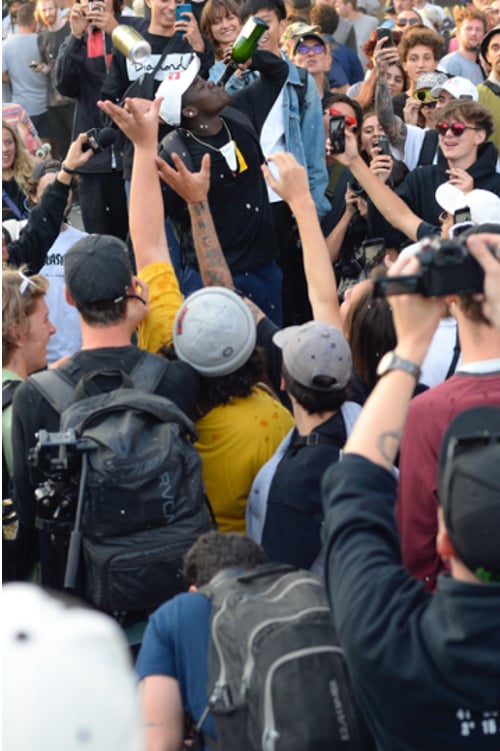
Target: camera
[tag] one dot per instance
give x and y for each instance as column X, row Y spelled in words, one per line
column 447, row 268
column 94, row 7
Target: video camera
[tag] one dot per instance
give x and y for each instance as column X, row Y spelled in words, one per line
column 446, row 268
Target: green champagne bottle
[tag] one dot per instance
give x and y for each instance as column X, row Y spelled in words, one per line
column 244, row 46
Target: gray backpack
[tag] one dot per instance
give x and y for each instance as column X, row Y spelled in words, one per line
column 277, row 679
column 125, row 485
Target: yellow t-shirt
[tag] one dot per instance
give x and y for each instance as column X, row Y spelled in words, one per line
column 234, row 441
column 165, row 299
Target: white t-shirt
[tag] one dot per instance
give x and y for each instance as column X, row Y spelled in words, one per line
column 65, row 318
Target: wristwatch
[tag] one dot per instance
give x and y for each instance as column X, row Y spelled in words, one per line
column 392, row 361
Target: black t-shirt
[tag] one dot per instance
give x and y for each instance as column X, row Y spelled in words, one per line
column 238, row 199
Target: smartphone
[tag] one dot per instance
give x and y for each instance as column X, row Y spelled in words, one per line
column 374, row 251
column 384, row 145
column 462, row 215
column 179, row 10
column 95, row 7
column 385, row 33
column 337, row 134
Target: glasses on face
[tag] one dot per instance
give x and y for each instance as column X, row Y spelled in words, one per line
column 424, row 96
column 407, row 22
column 350, row 122
column 456, row 128
column 304, row 49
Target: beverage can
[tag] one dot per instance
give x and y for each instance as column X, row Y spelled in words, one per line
column 130, row 43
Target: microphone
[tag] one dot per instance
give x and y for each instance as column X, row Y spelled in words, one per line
column 99, row 139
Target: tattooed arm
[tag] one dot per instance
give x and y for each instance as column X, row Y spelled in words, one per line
column 377, row 432
column 394, row 127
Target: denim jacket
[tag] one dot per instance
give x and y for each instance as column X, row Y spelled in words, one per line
column 304, row 133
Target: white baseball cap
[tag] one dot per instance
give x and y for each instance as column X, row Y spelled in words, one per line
column 173, row 86
column 458, row 87
column 68, row 681
column 483, row 204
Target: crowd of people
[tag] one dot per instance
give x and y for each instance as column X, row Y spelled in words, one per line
column 307, row 260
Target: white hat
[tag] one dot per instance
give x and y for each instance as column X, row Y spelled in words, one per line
column 214, row 331
column 458, row 87
column 68, row 681
column 173, row 86
column 483, row 204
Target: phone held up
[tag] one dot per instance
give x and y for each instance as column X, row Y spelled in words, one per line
column 384, row 145
column 336, row 131
column 179, row 11
column 384, row 33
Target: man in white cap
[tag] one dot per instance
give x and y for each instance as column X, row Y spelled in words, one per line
column 489, row 90
column 239, row 203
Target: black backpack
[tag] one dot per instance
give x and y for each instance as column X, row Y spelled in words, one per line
column 277, row 680
column 11, row 551
column 126, row 483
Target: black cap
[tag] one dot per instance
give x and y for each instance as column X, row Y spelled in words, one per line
column 97, row 269
column 469, row 489
column 485, row 42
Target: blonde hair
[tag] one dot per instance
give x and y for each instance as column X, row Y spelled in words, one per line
column 23, row 162
column 18, row 305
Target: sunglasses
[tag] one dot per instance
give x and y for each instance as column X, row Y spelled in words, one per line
column 456, row 128
column 304, row 49
column 349, row 121
column 423, row 96
column 407, row 22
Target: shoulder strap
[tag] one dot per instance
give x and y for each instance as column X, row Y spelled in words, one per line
column 58, row 386
column 315, row 439
column 302, row 90
column 494, row 87
column 428, row 149
column 8, row 391
column 454, row 360
column 12, row 206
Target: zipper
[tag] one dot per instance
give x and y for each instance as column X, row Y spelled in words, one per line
column 221, row 689
column 250, row 662
column 270, row 735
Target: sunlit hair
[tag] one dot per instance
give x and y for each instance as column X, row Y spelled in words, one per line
column 19, row 296
column 213, row 10
column 23, row 165
column 469, row 13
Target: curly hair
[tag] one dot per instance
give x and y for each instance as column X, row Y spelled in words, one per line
column 18, row 305
column 214, row 9
column 212, row 552
column 420, row 36
column 24, row 164
column 217, row 391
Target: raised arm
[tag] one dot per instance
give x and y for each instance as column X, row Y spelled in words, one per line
column 138, row 119
column 193, row 187
column 293, row 187
column 392, row 124
column 388, row 203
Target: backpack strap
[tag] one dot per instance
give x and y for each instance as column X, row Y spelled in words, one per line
column 8, row 391
column 428, row 149
column 148, row 372
column 494, row 87
column 454, row 360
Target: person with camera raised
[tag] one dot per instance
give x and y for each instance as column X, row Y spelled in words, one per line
column 424, row 667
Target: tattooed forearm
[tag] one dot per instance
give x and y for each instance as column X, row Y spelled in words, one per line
column 388, row 445
column 213, row 266
column 393, row 125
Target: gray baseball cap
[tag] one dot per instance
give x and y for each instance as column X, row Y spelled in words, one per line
column 316, row 355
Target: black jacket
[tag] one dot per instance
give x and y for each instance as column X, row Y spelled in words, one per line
column 419, row 187
column 238, row 200
column 42, row 229
column 81, row 77
column 425, row 668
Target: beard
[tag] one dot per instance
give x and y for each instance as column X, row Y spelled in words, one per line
column 468, row 47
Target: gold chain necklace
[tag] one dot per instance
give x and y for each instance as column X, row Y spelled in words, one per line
column 228, row 150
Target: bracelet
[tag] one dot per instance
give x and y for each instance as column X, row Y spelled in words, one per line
column 68, row 170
